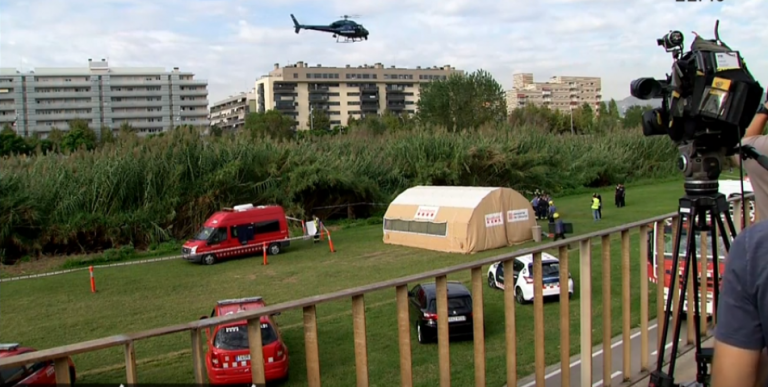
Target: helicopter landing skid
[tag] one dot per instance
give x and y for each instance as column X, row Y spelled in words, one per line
column 340, row 39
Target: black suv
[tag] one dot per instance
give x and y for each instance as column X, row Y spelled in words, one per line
column 423, row 309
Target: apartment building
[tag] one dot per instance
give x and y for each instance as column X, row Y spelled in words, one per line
column 151, row 99
column 560, row 92
column 343, row 92
column 230, row 112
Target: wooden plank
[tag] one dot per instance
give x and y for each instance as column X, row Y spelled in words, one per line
column 361, row 344
column 258, row 375
column 690, row 288
column 311, row 346
column 61, row 370
column 644, row 346
column 565, row 320
column 478, row 318
column 510, row 333
column 703, row 289
column 605, row 248
column 443, row 344
column 585, row 303
column 538, row 319
column 674, row 288
column 130, row 364
column 737, row 215
column 198, row 356
column 660, row 274
column 404, row 336
column 626, row 306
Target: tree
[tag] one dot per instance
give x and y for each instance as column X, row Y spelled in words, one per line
column 613, row 110
column 11, row 143
column 319, row 120
column 78, row 136
column 216, row 131
column 583, row 118
column 106, row 135
column 55, row 136
column 462, row 102
column 633, row 117
column 271, row 124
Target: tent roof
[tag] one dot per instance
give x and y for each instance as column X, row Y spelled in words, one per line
column 443, row 196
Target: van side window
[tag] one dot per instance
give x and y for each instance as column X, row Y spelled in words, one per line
column 233, row 231
column 243, row 232
column 267, row 227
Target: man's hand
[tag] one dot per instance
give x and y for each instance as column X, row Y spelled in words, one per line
column 763, row 109
column 758, row 123
column 733, row 366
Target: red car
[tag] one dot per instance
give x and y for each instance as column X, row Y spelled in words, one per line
column 40, row 373
column 228, row 359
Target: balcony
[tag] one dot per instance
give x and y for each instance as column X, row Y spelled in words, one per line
column 395, row 106
column 192, row 93
column 607, row 274
column 319, row 89
column 135, row 82
column 318, row 97
column 137, row 114
column 192, row 82
column 33, row 95
column 395, row 97
column 284, row 87
column 395, row 89
column 369, row 107
column 368, row 87
column 60, row 83
column 127, row 104
column 283, row 105
column 137, row 93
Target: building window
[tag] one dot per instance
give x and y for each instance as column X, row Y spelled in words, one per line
column 416, row 227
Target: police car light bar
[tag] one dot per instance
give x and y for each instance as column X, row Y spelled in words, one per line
column 9, row 347
column 240, row 300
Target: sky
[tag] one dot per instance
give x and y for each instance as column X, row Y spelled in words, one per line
column 231, row 43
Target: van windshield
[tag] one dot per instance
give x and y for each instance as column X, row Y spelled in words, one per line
column 204, row 234
column 236, row 337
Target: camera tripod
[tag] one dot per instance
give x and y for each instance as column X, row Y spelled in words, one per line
column 693, row 209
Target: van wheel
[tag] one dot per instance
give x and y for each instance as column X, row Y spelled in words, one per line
column 274, row 248
column 519, row 295
column 209, row 259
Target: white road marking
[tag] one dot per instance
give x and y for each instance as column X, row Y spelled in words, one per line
column 665, row 348
column 595, row 354
column 600, row 382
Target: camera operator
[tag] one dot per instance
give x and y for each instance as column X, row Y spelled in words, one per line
column 741, row 334
column 758, row 176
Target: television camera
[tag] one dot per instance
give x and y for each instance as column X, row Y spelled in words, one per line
column 708, row 99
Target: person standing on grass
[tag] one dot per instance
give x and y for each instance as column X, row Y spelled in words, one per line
column 316, row 237
column 595, row 208
column 552, row 211
column 535, row 204
column 559, row 227
column 600, row 209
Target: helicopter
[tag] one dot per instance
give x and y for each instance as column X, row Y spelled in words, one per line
column 345, row 31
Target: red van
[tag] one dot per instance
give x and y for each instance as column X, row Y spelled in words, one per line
column 238, row 231
column 228, row 359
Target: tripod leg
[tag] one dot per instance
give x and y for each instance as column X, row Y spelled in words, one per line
column 690, row 252
column 693, row 264
column 668, row 309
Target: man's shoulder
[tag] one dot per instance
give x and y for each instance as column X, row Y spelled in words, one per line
column 754, row 239
column 760, row 142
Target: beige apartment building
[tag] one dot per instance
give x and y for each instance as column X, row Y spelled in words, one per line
column 229, row 113
column 343, row 92
column 560, row 92
column 150, row 99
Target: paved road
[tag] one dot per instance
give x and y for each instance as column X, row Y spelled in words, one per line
column 553, row 374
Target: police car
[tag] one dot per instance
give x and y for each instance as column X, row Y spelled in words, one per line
column 523, row 277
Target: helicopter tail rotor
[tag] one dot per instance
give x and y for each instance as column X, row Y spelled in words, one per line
column 296, row 24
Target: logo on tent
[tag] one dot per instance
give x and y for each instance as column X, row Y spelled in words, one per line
column 495, row 219
column 426, row 213
column 517, row 215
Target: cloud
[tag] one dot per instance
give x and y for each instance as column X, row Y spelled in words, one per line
column 233, row 42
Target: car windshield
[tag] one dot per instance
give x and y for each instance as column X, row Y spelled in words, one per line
column 236, row 337
column 548, row 269
column 204, row 234
column 668, row 246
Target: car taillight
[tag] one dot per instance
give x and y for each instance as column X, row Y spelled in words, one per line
column 430, row 316
column 528, row 280
column 280, row 351
column 215, row 361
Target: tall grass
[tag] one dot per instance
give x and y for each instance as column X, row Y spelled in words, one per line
column 141, row 192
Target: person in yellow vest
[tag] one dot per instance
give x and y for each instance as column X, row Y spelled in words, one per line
column 595, row 208
column 559, row 227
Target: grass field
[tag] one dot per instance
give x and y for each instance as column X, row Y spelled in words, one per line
column 60, row 310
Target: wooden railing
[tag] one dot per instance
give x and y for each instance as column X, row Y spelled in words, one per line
column 59, row 355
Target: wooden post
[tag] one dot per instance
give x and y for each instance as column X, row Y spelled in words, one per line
column 585, row 303
column 644, row 347
column 538, row 320
column 130, row 364
column 443, row 344
column 404, row 337
column 61, row 370
column 258, row 376
column 311, row 346
column 198, row 356
column 660, row 281
column 565, row 321
column 361, row 345
column 510, row 333
column 607, row 336
column 478, row 324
